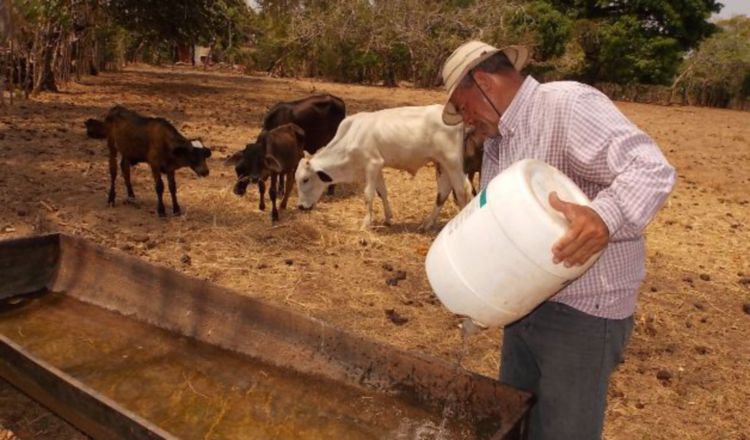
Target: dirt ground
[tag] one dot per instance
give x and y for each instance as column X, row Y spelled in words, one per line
column 687, row 372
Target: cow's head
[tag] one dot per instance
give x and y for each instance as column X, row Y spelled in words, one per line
column 311, row 183
column 194, row 154
column 249, row 166
column 473, row 142
column 95, row 129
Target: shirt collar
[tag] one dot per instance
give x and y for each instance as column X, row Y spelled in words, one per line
column 520, row 102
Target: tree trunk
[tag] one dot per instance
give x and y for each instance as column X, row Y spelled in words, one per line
column 10, row 61
column 46, row 81
column 229, row 47
column 55, row 64
column 11, row 67
column 208, row 56
column 79, row 57
column 65, row 64
column 96, row 60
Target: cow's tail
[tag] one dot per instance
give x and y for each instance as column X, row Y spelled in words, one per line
column 95, row 129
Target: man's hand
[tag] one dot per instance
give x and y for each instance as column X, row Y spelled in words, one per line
column 587, row 235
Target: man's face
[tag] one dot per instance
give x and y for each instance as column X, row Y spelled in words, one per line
column 475, row 110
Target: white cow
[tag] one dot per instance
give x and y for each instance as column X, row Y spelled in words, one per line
column 404, row 138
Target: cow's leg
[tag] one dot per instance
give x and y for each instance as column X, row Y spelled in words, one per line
column 262, row 194
column 112, row 171
column 281, row 190
column 460, row 184
column 272, row 193
column 468, row 188
column 159, row 186
column 288, row 189
column 443, row 191
column 371, row 182
column 383, row 193
column 471, row 181
column 173, row 192
column 125, row 168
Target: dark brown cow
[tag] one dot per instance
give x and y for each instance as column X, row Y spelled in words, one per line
column 151, row 140
column 318, row 116
column 284, row 149
column 473, row 152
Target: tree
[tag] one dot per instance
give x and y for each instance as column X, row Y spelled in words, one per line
column 550, row 28
column 718, row 73
column 380, row 40
column 637, row 41
column 193, row 22
column 39, row 30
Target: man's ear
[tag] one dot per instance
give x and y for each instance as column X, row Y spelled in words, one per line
column 482, row 78
column 324, row 177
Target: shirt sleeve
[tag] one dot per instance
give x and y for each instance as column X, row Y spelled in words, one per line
column 604, row 147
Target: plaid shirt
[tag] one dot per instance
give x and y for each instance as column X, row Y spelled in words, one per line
column 578, row 130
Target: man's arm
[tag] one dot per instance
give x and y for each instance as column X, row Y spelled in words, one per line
column 606, row 148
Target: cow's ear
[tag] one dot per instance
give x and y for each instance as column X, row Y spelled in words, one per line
column 472, row 141
column 324, row 177
column 234, row 159
column 300, row 133
column 272, row 163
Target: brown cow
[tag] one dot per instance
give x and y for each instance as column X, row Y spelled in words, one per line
column 151, row 140
column 284, row 149
column 318, row 116
column 473, row 152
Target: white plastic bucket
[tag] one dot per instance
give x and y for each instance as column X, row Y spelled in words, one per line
column 493, row 261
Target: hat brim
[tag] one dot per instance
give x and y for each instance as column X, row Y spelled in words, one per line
column 518, row 55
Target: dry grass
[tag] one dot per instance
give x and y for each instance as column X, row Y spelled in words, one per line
column 321, row 263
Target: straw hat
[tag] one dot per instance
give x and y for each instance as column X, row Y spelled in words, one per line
column 465, row 58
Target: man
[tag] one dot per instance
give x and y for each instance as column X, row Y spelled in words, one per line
column 566, row 349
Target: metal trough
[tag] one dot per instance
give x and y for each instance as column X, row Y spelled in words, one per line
column 125, row 349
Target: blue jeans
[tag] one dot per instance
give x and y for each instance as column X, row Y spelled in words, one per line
column 565, row 358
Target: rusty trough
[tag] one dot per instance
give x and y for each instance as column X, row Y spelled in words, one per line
column 125, row 349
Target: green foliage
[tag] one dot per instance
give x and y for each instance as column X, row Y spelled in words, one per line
column 378, row 40
column 636, row 41
column 196, row 21
column 719, row 70
column 551, row 29
column 386, row 41
column 114, row 42
column 683, row 20
column 620, row 52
